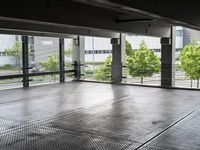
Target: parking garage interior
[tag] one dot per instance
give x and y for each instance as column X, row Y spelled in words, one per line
column 67, row 111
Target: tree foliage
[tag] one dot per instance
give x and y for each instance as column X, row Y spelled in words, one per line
column 52, row 64
column 143, row 62
column 129, row 49
column 15, row 51
column 190, row 61
column 69, row 52
column 104, row 70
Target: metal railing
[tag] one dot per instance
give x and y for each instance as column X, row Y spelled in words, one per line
column 73, row 73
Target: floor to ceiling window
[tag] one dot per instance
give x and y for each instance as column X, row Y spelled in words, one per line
column 187, row 70
column 68, row 58
column 10, row 60
column 143, row 60
column 43, row 57
column 98, row 58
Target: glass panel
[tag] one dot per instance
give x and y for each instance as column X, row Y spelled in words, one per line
column 46, row 79
column 143, row 60
column 10, row 54
column 10, row 60
column 187, row 58
column 98, row 57
column 43, row 57
column 10, row 83
column 68, row 58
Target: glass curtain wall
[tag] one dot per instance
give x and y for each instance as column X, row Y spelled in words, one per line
column 69, row 58
column 98, row 58
column 187, row 71
column 143, row 60
column 10, row 60
column 43, row 57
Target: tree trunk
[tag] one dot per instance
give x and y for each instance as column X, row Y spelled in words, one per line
column 191, row 84
column 197, row 83
column 141, row 80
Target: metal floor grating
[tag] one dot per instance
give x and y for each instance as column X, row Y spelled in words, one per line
column 183, row 136
column 114, row 117
column 41, row 138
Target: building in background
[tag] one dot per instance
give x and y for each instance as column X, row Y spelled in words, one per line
column 6, row 41
column 96, row 49
column 43, row 47
column 189, row 35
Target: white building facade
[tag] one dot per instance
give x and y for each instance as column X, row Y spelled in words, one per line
column 96, row 49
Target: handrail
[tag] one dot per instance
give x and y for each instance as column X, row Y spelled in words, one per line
column 34, row 74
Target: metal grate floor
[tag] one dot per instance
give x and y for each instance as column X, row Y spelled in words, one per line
column 40, row 138
column 99, row 116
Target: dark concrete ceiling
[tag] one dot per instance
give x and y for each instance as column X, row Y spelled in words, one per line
column 177, row 12
column 146, row 17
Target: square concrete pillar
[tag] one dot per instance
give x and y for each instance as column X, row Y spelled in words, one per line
column 25, row 61
column 62, row 59
column 168, row 60
column 79, row 56
column 118, row 58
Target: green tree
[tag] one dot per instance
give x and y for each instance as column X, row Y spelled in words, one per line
column 143, row 62
column 104, row 70
column 51, row 65
column 129, row 49
column 190, row 61
column 68, row 52
column 16, row 51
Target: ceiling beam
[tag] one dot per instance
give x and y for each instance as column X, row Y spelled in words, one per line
column 176, row 12
column 36, row 28
column 134, row 20
column 56, row 16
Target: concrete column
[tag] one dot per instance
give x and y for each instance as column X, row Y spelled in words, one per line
column 168, row 60
column 25, row 62
column 79, row 56
column 123, row 53
column 62, row 59
column 118, row 58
